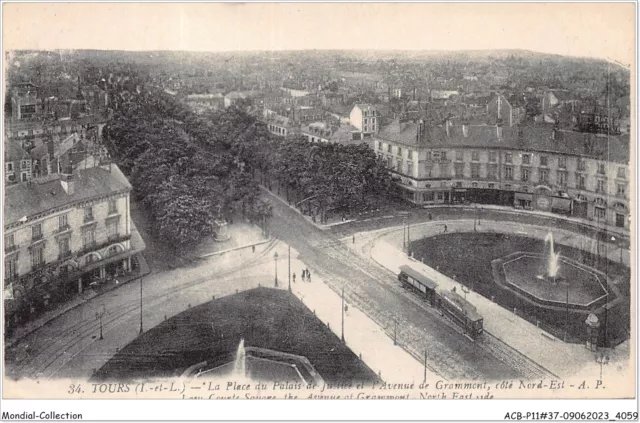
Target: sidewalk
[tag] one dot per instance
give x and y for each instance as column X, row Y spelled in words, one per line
column 33, row 325
column 362, row 335
column 505, row 209
column 565, row 360
column 242, row 235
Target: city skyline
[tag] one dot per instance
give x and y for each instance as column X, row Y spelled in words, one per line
column 576, row 29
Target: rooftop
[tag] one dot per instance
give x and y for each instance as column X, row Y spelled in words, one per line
column 32, row 198
column 533, row 138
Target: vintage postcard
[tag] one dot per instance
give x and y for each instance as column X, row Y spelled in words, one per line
column 370, row 201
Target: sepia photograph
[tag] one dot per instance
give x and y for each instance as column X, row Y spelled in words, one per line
column 319, row 201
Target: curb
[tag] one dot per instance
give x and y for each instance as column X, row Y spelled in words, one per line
column 219, row 253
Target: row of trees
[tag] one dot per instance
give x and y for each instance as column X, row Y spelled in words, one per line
column 317, row 178
column 185, row 183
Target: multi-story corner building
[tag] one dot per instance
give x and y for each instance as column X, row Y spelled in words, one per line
column 365, row 118
column 61, row 234
column 542, row 168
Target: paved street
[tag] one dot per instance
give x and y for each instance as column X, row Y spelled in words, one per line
column 377, row 294
column 69, row 346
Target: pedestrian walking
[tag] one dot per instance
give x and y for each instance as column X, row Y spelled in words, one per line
column 304, row 275
column 294, row 278
column 354, row 239
column 445, row 228
column 430, row 216
column 253, row 248
column 308, row 276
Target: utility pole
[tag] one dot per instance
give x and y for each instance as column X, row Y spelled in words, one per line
column 425, row 365
column 141, row 330
column 395, row 331
column 289, row 268
column 342, row 315
column 566, row 325
column 404, row 235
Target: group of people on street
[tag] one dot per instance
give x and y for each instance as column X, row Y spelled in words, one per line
column 306, row 276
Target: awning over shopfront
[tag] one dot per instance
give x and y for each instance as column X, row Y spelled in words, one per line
column 561, row 203
column 523, row 196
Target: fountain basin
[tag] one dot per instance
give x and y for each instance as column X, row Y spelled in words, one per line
column 260, row 365
column 585, row 287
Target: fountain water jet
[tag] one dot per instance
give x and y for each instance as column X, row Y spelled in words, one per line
column 552, row 263
column 240, row 365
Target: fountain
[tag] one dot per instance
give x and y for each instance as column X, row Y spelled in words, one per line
column 551, row 261
column 240, row 365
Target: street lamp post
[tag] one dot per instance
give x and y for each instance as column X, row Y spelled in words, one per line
column 475, row 217
column 602, row 360
column 141, row 330
column 99, row 315
column 404, row 234
column 408, row 237
column 275, row 259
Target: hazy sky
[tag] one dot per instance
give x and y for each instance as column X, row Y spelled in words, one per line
column 577, row 29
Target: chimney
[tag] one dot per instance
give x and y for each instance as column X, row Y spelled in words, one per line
column 68, row 184
column 499, row 129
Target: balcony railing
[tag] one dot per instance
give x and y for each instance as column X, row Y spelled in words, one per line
column 64, row 255
column 36, row 237
column 10, row 248
column 88, row 219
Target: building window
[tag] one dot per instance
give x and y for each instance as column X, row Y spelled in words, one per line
column 525, row 174
column 475, row 156
column 440, row 195
column 508, row 173
column 24, row 176
column 581, row 165
column 112, row 229
column 88, row 237
column 562, row 178
column 443, row 156
column 399, row 151
column 36, row 232
column 491, row 186
column 562, row 162
column 389, row 148
column 601, row 187
column 492, row 171
column 544, row 160
column 493, row 156
column 508, row 157
column 599, row 212
column 428, row 155
column 622, row 190
column 475, row 170
column 64, row 248
column 544, row 176
column 63, row 222
column 37, row 257
column 389, row 162
column 379, row 146
column 622, row 174
column 525, row 188
column 474, row 185
column 459, row 169
column 10, row 267
column 581, row 182
column 88, row 214
column 459, row 155
column 10, row 167
column 9, row 241
column 427, row 196
column 409, row 168
column 601, row 169
column 399, row 165
column 507, row 186
column 526, row 159
column 25, row 164
column 113, row 207
column 458, row 184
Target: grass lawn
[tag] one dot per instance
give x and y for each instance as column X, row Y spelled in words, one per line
column 265, row 318
column 467, row 257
